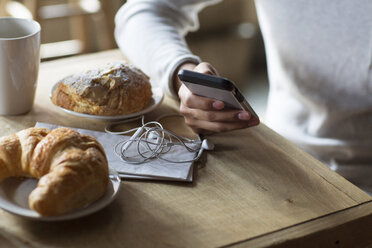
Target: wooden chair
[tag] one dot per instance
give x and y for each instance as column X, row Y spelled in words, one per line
column 13, row 8
column 91, row 29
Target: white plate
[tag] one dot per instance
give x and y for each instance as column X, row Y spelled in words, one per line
column 14, row 194
column 157, row 98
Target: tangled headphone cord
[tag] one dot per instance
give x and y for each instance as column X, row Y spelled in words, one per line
column 152, row 141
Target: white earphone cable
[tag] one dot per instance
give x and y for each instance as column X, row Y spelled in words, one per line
column 153, row 142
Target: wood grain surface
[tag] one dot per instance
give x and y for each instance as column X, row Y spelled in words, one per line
column 255, row 189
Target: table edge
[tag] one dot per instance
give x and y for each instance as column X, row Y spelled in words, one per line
column 346, row 227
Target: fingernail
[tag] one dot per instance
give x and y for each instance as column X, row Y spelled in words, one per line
column 254, row 122
column 217, row 105
column 244, row 116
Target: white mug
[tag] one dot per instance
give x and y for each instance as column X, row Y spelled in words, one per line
column 19, row 64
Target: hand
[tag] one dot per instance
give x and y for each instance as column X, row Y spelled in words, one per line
column 206, row 115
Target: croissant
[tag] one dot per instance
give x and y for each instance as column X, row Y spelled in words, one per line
column 72, row 168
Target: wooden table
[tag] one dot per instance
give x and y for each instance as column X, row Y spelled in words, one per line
column 254, row 190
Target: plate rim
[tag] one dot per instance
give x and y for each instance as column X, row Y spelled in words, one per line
column 114, row 179
column 157, row 96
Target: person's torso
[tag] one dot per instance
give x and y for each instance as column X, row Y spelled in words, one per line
column 320, row 69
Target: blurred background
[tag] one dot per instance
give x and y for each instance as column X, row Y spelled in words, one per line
column 229, row 36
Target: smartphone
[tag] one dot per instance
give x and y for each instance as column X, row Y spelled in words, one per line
column 217, row 88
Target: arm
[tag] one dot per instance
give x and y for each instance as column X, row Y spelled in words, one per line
column 151, row 34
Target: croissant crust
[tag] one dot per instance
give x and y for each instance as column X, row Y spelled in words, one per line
column 72, row 167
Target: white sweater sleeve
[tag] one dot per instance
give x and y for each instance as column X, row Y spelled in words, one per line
column 151, row 35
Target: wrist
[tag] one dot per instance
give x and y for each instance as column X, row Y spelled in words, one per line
column 176, row 81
